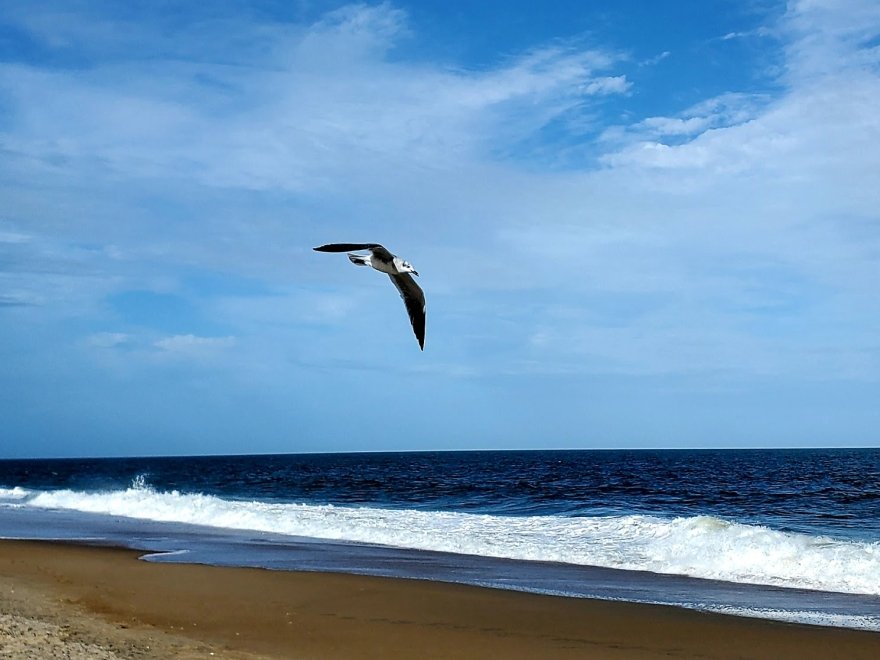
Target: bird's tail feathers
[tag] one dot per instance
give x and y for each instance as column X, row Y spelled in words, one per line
column 358, row 260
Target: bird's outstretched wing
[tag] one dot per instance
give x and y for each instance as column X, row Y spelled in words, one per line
column 375, row 248
column 414, row 299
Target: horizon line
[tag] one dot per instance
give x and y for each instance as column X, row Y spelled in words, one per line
column 437, row 451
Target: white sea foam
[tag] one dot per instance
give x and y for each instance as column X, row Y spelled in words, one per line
column 698, row 546
column 813, row 617
column 12, row 495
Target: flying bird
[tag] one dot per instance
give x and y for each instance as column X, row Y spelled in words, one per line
column 399, row 272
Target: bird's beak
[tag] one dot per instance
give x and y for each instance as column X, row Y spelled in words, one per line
column 415, row 273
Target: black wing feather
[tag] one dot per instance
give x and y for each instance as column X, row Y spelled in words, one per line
column 346, row 247
column 414, row 299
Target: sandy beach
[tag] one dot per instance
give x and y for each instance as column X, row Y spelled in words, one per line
column 71, row 601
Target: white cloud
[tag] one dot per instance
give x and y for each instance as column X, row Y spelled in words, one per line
column 829, row 37
column 727, row 110
column 740, row 236
column 608, row 85
column 651, row 61
column 676, row 126
column 323, row 99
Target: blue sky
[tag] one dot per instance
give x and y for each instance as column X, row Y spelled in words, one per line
column 637, row 224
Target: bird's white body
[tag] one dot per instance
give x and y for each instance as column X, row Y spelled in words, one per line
column 396, row 266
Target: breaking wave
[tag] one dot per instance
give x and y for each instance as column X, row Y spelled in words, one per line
column 698, row 546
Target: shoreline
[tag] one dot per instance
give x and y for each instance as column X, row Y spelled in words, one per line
column 114, row 605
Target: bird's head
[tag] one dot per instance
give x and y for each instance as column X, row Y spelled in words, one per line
column 406, row 267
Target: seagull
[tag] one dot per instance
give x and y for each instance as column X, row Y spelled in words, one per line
column 398, row 270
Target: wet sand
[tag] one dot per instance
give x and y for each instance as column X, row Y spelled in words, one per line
column 59, row 600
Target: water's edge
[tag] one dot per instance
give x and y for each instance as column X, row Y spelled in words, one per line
column 183, row 543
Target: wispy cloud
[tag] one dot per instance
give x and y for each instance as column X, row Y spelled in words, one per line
column 323, row 98
column 781, row 183
column 762, row 31
column 656, row 59
column 191, row 345
column 152, row 146
column 829, row 38
column 109, row 339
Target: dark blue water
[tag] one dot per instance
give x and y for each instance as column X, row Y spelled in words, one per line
column 835, row 491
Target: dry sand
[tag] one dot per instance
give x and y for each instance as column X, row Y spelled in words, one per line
column 67, row 601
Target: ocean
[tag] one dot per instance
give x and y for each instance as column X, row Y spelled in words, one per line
column 792, row 535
